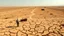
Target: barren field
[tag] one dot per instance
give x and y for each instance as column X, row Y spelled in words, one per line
column 46, row 22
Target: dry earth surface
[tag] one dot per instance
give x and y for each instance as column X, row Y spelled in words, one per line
column 47, row 22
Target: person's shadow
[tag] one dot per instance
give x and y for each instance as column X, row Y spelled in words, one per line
column 11, row 27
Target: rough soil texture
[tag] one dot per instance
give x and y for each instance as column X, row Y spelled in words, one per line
column 47, row 22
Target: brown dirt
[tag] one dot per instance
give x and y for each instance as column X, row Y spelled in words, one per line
column 39, row 22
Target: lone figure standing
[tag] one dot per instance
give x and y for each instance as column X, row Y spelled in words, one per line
column 17, row 22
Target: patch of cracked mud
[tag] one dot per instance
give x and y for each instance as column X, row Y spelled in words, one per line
column 38, row 25
column 32, row 28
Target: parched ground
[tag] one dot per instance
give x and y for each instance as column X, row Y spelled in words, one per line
column 47, row 22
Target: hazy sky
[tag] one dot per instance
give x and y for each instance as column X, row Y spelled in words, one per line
column 31, row 2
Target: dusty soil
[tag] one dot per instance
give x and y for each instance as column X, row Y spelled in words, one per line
column 47, row 22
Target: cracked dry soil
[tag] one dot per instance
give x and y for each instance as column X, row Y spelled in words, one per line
column 40, row 24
